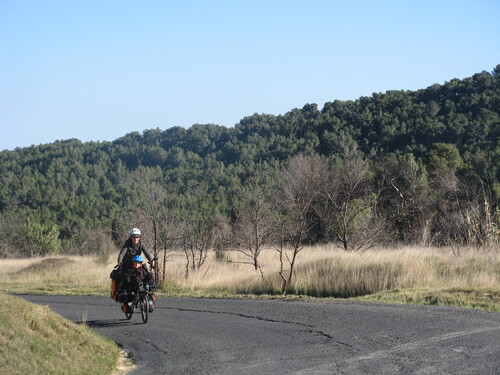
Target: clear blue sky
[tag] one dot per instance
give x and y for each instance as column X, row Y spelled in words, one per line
column 97, row 70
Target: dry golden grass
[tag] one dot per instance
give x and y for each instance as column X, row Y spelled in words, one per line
column 64, row 274
column 350, row 275
column 412, row 274
column 323, row 272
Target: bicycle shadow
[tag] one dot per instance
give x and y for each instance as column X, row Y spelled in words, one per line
column 107, row 323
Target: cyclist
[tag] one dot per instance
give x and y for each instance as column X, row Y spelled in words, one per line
column 132, row 247
column 135, row 277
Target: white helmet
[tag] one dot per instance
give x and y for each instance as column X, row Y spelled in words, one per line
column 135, row 232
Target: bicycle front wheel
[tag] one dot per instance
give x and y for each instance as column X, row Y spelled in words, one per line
column 145, row 308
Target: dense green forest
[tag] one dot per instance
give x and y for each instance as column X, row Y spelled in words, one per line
column 400, row 167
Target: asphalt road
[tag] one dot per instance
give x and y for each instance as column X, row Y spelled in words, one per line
column 256, row 337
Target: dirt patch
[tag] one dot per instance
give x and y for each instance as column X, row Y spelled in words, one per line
column 46, row 265
column 125, row 363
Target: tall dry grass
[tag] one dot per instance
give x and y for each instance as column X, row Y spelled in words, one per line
column 323, row 272
column 320, row 272
column 351, row 275
column 59, row 274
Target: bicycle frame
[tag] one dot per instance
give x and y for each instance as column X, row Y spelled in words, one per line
column 139, row 299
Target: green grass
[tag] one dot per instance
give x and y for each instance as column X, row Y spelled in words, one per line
column 35, row 340
column 481, row 298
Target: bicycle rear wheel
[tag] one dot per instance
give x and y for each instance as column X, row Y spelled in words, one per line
column 128, row 311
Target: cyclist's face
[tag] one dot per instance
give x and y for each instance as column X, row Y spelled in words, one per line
column 135, row 239
column 136, row 264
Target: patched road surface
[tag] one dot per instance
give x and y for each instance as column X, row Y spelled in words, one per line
column 272, row 337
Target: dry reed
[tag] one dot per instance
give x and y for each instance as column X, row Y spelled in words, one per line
column 324, row 272
column 320, row 272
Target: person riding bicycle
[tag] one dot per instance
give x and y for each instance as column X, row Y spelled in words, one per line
column 135, row 278
column 132, row 247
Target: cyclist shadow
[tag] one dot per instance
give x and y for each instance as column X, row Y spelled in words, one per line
column 107, row 323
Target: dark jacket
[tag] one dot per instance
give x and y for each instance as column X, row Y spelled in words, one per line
column 134, row 277
column 128, row 251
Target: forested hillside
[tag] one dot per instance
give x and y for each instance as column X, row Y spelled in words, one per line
column 397, row 167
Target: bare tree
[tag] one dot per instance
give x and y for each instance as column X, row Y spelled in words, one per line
column 402, row 196
column 171, row 234
column 222, row 237
column 156, row 216
column 253, row 226
column 154, row 195
column 298, row 188
column 346, row 203
column 197, row 242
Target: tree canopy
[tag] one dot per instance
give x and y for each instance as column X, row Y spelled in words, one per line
column 439, row 144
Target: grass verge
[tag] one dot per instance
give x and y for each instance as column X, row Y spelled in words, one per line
column 35, row 340
column 482, row 298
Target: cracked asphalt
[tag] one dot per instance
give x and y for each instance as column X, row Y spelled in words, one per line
column 256, row 337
